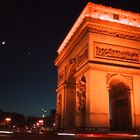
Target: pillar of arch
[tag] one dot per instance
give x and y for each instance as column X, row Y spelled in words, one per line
column 70, row 97
column 99, row 72
column 80, row 117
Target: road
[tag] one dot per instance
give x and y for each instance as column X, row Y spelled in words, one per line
column 55, row 137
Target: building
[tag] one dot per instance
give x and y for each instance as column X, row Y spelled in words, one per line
column 99, row 71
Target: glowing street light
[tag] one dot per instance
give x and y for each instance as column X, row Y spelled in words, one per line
column 43, row 112
column 3, row 43
column 7, row 119
column 40, row 121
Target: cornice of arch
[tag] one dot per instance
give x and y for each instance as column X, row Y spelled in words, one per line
column 102, row 13
column 112, row 29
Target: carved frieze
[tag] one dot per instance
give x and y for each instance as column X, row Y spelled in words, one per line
column 128, row 78
column 72, row 60
column 107, row 30
column 83, row 55
column 108, row 76
column 119, row 53
column 60, row 77
column 81, row 96
column 59, row 103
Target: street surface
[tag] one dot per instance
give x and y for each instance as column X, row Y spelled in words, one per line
column 56, row 137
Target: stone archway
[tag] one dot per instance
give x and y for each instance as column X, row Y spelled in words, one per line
column 107, row 52
column 71, row 97
column 120, row 105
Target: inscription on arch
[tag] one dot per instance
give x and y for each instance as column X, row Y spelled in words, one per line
column 119, row 53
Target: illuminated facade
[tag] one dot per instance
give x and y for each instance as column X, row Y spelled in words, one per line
column 98, row 71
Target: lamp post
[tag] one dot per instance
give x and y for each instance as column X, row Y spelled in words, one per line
column 7, row 121
column 39, row 125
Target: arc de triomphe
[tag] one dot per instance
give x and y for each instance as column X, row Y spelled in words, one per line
column 99, row 71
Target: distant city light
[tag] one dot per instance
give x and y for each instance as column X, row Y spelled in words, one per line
column 3, row 43
column 43, row 112
column 37, row 124
column 6, row 132
column 40, row 121
column 65, row 134
column 29, row 53
column 8, row 119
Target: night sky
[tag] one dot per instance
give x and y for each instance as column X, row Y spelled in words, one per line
column 30, row 34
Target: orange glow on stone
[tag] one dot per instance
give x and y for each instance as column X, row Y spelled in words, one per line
column 98, row 72
column 103, row 13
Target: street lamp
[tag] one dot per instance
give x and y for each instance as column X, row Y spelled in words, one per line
column 41, row 122
column 7, row 119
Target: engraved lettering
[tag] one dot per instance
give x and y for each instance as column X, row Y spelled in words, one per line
column 125, row 55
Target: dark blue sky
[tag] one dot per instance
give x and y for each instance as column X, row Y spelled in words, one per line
column 33, row 31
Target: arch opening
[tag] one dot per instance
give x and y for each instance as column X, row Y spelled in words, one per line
column 120, row 106
column 71, row 98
